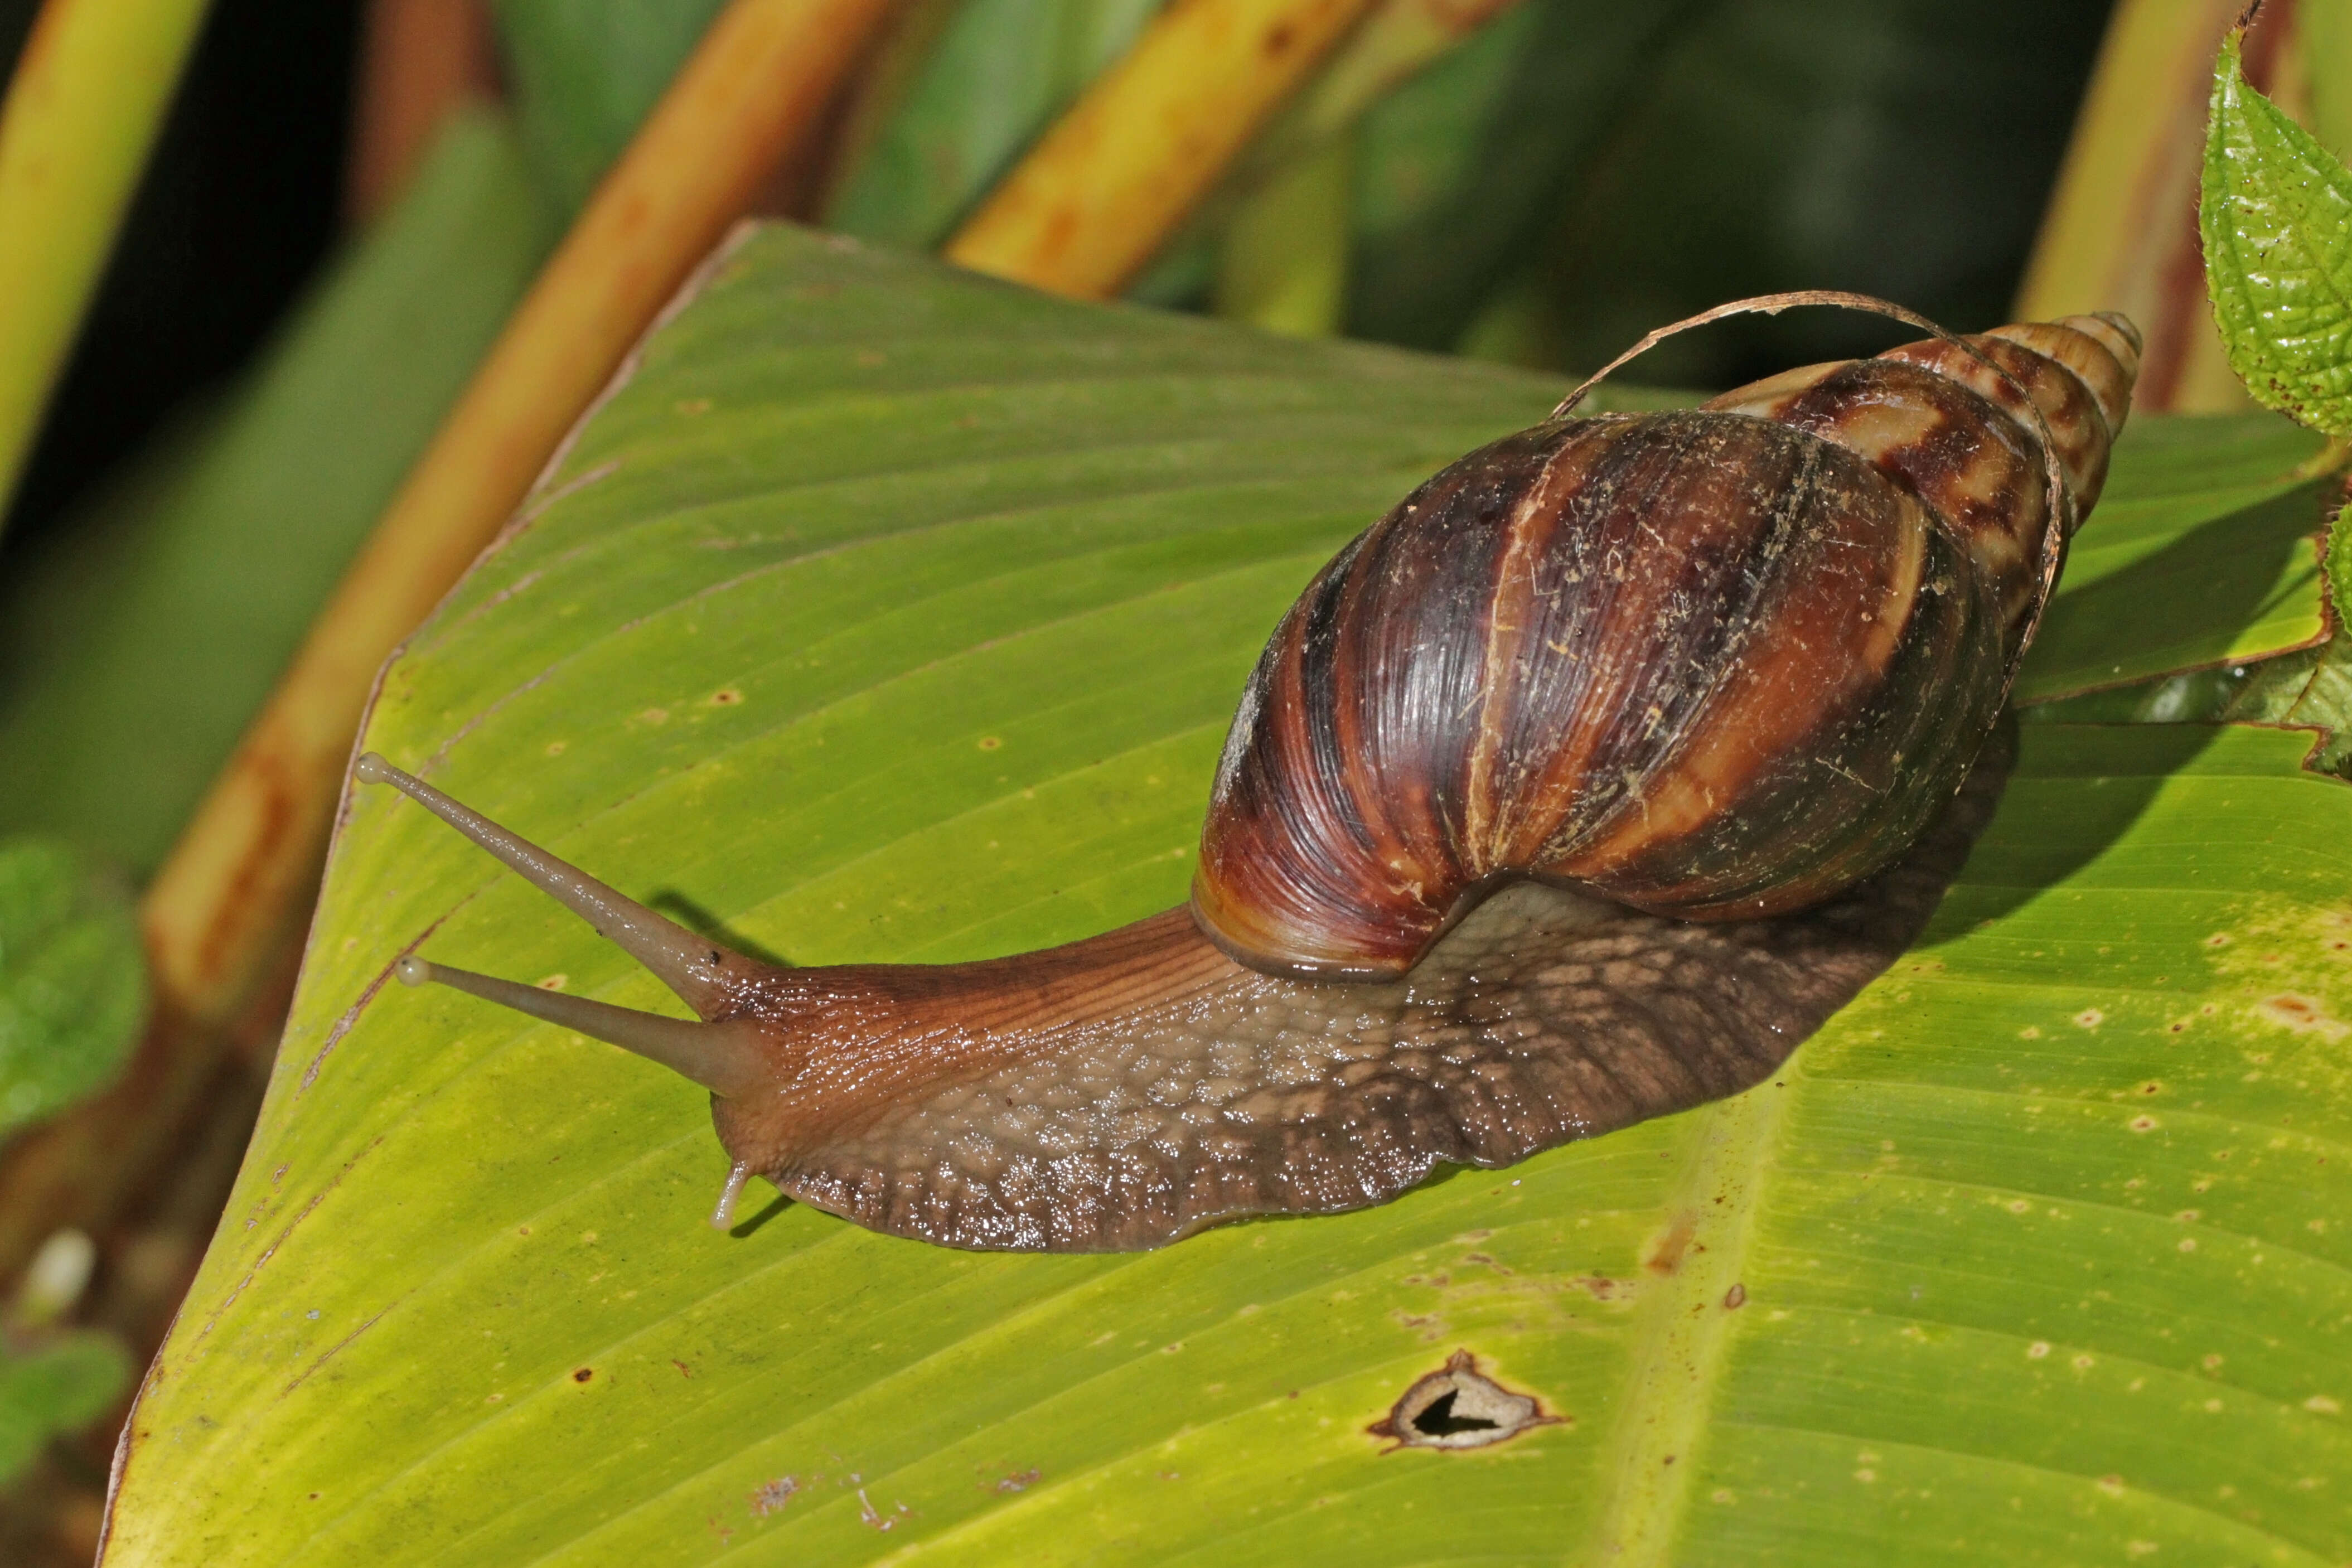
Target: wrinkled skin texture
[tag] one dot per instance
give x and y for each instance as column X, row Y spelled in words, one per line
column 1188, row 1088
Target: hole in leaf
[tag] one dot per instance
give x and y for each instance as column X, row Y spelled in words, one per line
column 1437, row 1418
column 1458, row 1407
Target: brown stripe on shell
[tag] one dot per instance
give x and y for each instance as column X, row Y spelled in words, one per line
column 1695, row 601
column 2078, row 428
column 2113, row 331
column 1973, row 465
column 1806, row 768
column 2088, row 357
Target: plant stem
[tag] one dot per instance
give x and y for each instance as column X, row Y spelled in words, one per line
column 757, row 83
column 82, row 111
column 222, row 913
column 2120, row 232
column 1095, row 200
column 1282, row 261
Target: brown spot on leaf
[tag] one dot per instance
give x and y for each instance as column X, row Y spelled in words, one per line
column 1020, row 1481
column 726, row 697
column 1663, row 1254
column 581, row 1375
column 1458, row 1407
column 1735, row 1297
column 773, row 1495
column 2300, row 1013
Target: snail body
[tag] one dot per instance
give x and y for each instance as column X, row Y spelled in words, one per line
column 1578, row 789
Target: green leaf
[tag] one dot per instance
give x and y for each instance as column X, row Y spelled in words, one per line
column 584, row 73
column 73, row 979
column 63, row 1382
column 2276, row 217
column 2308, row 687
column 1000, row 73
column 889, row 612
column 131, row 657
column 2201, row 552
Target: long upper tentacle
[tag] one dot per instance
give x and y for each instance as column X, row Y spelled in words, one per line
column 706, row 977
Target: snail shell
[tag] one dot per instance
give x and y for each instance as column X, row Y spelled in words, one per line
column 1578, row 789
column 1708, row 664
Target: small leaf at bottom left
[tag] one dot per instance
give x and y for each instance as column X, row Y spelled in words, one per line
column 64, row 1381
column 73, row 982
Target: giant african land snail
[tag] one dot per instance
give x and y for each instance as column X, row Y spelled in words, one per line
column 1676, row 689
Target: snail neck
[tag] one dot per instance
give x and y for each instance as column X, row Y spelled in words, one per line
column 844, row 1046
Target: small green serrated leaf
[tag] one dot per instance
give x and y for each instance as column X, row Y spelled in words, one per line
column 2277, row 216
column 73, row 985
column 66, row 1383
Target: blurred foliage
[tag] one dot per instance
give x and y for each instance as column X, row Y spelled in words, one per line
column 51, row 1380
column 1902, row 149
column 1461, row 173
column 132, row 652
column 584, row 72
column 1576, row 172
column 236, row 212
column 72, row 989
column 996, row 76
column 58, row 1384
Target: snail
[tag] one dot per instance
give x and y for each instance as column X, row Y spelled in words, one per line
column 1578, row 789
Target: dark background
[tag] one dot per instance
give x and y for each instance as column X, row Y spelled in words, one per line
column 1916, row 142
column 241, row 203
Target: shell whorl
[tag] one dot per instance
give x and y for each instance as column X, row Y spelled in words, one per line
column 1713, row 663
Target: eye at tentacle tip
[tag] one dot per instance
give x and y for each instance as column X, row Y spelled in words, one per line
column 415, row 971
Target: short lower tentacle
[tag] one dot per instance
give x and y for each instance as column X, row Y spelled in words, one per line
column 724, row 1058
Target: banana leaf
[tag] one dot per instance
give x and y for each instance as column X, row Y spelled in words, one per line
column 889, row 612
